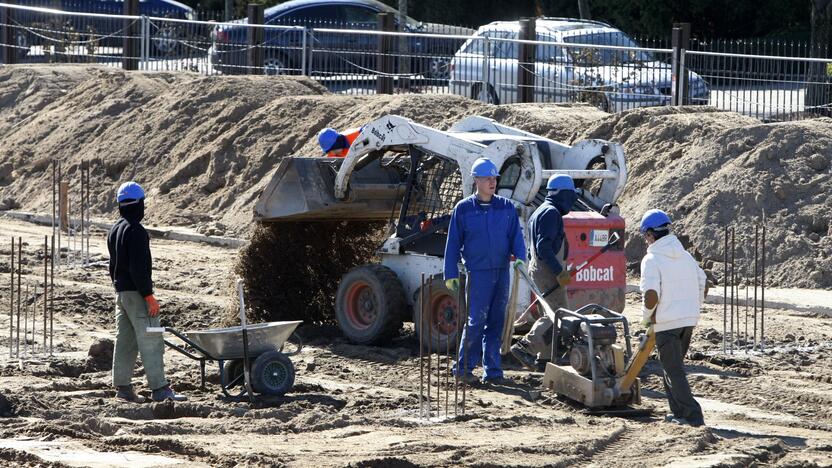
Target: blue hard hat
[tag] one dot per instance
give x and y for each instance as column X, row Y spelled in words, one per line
column 560, row 182
column 130, row 191
column 327, row 139
column 654, row 219
column 483, row 167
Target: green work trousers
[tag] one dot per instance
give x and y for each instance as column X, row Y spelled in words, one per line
column 132, row 320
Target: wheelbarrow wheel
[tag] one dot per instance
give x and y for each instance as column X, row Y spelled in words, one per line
column 272, row 374
column 232, row 370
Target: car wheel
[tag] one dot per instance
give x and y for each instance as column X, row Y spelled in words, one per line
column 274, row 66
column 439, row 68
column 487, row 94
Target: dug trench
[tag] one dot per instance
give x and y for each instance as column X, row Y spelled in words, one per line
column 357, row 405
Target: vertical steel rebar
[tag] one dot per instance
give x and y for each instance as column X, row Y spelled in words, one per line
column 11, row 303
column 733, row 285
column 463, row 286
column 45, row 285
column 458, row 334
column 52, row 298
column 756, row 278
column 438, row 356
column 421, row 347
column 746, row 314
column 763, row 291
column 447, row 369
column 26, row 320
column 87, row 211
column 725, row 294
column 429, row 343
column 19, row 289
column 54, row 201
column 60, row 215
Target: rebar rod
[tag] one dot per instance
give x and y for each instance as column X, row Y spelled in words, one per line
column 19, row 289
column 733, row 285
column 763, row 291
column 725, row 294
column 26, row 320
column 428, row 345
column 52, row 299
column 45, row 285
column 463, row 284
column 438, row 355
column 756, row 279
column 11, row 303
column 421, row 347
column 458, row 335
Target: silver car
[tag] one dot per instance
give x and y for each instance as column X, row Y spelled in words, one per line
column 614, row 79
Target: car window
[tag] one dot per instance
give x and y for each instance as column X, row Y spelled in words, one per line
column 358, row 14
column 594, row 57
column 503, row 49
column 310, row 15
column 548, row 53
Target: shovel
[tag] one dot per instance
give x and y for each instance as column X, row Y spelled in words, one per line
column 246, row 371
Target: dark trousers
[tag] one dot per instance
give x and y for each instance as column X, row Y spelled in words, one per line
column 672, row 346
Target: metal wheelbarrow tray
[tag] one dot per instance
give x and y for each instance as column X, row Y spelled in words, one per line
column 272, row 369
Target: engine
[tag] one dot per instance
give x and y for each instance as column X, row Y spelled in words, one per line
column 574, row 337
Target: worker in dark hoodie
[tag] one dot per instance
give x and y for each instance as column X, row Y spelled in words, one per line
column 136, row 306
column 547, row 266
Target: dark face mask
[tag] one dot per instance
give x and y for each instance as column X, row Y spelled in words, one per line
column 564, row 201
column 133, row 213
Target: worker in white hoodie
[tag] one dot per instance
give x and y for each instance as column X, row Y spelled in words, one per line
column 673, row 288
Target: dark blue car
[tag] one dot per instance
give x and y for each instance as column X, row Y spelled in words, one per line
column 50, row 30
column 330, row 53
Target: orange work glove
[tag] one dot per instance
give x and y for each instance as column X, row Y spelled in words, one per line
column 152, row 305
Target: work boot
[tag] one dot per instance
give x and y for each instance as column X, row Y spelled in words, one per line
column 126, row 393
column 167, row 393
column 498, row 381
column 469, row 379
column 684, row 422
column 527, row 359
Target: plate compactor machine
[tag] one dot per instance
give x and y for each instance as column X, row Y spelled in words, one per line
column 412, row 176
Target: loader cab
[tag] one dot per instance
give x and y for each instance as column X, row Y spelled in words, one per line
column 433, row 190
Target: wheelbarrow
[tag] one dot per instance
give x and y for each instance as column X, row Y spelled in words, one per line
column 249, row 356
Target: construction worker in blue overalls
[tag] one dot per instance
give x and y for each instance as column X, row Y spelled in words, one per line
column 484, row 232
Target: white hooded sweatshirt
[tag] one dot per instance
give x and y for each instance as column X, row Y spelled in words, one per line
column 673, row 273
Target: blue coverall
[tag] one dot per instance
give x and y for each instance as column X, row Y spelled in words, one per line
column 485, row 236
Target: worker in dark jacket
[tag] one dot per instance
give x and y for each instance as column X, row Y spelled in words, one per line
column 547, row 266
column 136, row 307
column 485, row 232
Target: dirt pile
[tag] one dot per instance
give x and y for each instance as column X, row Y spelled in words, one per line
column 709, row 169
column 203, row 147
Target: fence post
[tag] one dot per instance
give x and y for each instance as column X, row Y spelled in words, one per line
column 304, row 54
column 7, row 34
column 255, row 40
column 526, row 60
column 129, row 60
column 675, row 61
column 384, row 82
column 486, row 69
column 145, row 44
column 681, row 43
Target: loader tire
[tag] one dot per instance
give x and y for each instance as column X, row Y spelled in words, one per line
column 442, row 313
column 370, row 304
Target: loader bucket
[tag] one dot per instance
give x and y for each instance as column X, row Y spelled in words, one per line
column 302, row 188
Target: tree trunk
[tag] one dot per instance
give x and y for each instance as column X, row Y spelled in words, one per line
column 819, row 90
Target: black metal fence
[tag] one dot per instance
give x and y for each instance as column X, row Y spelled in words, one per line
column 527, row 61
